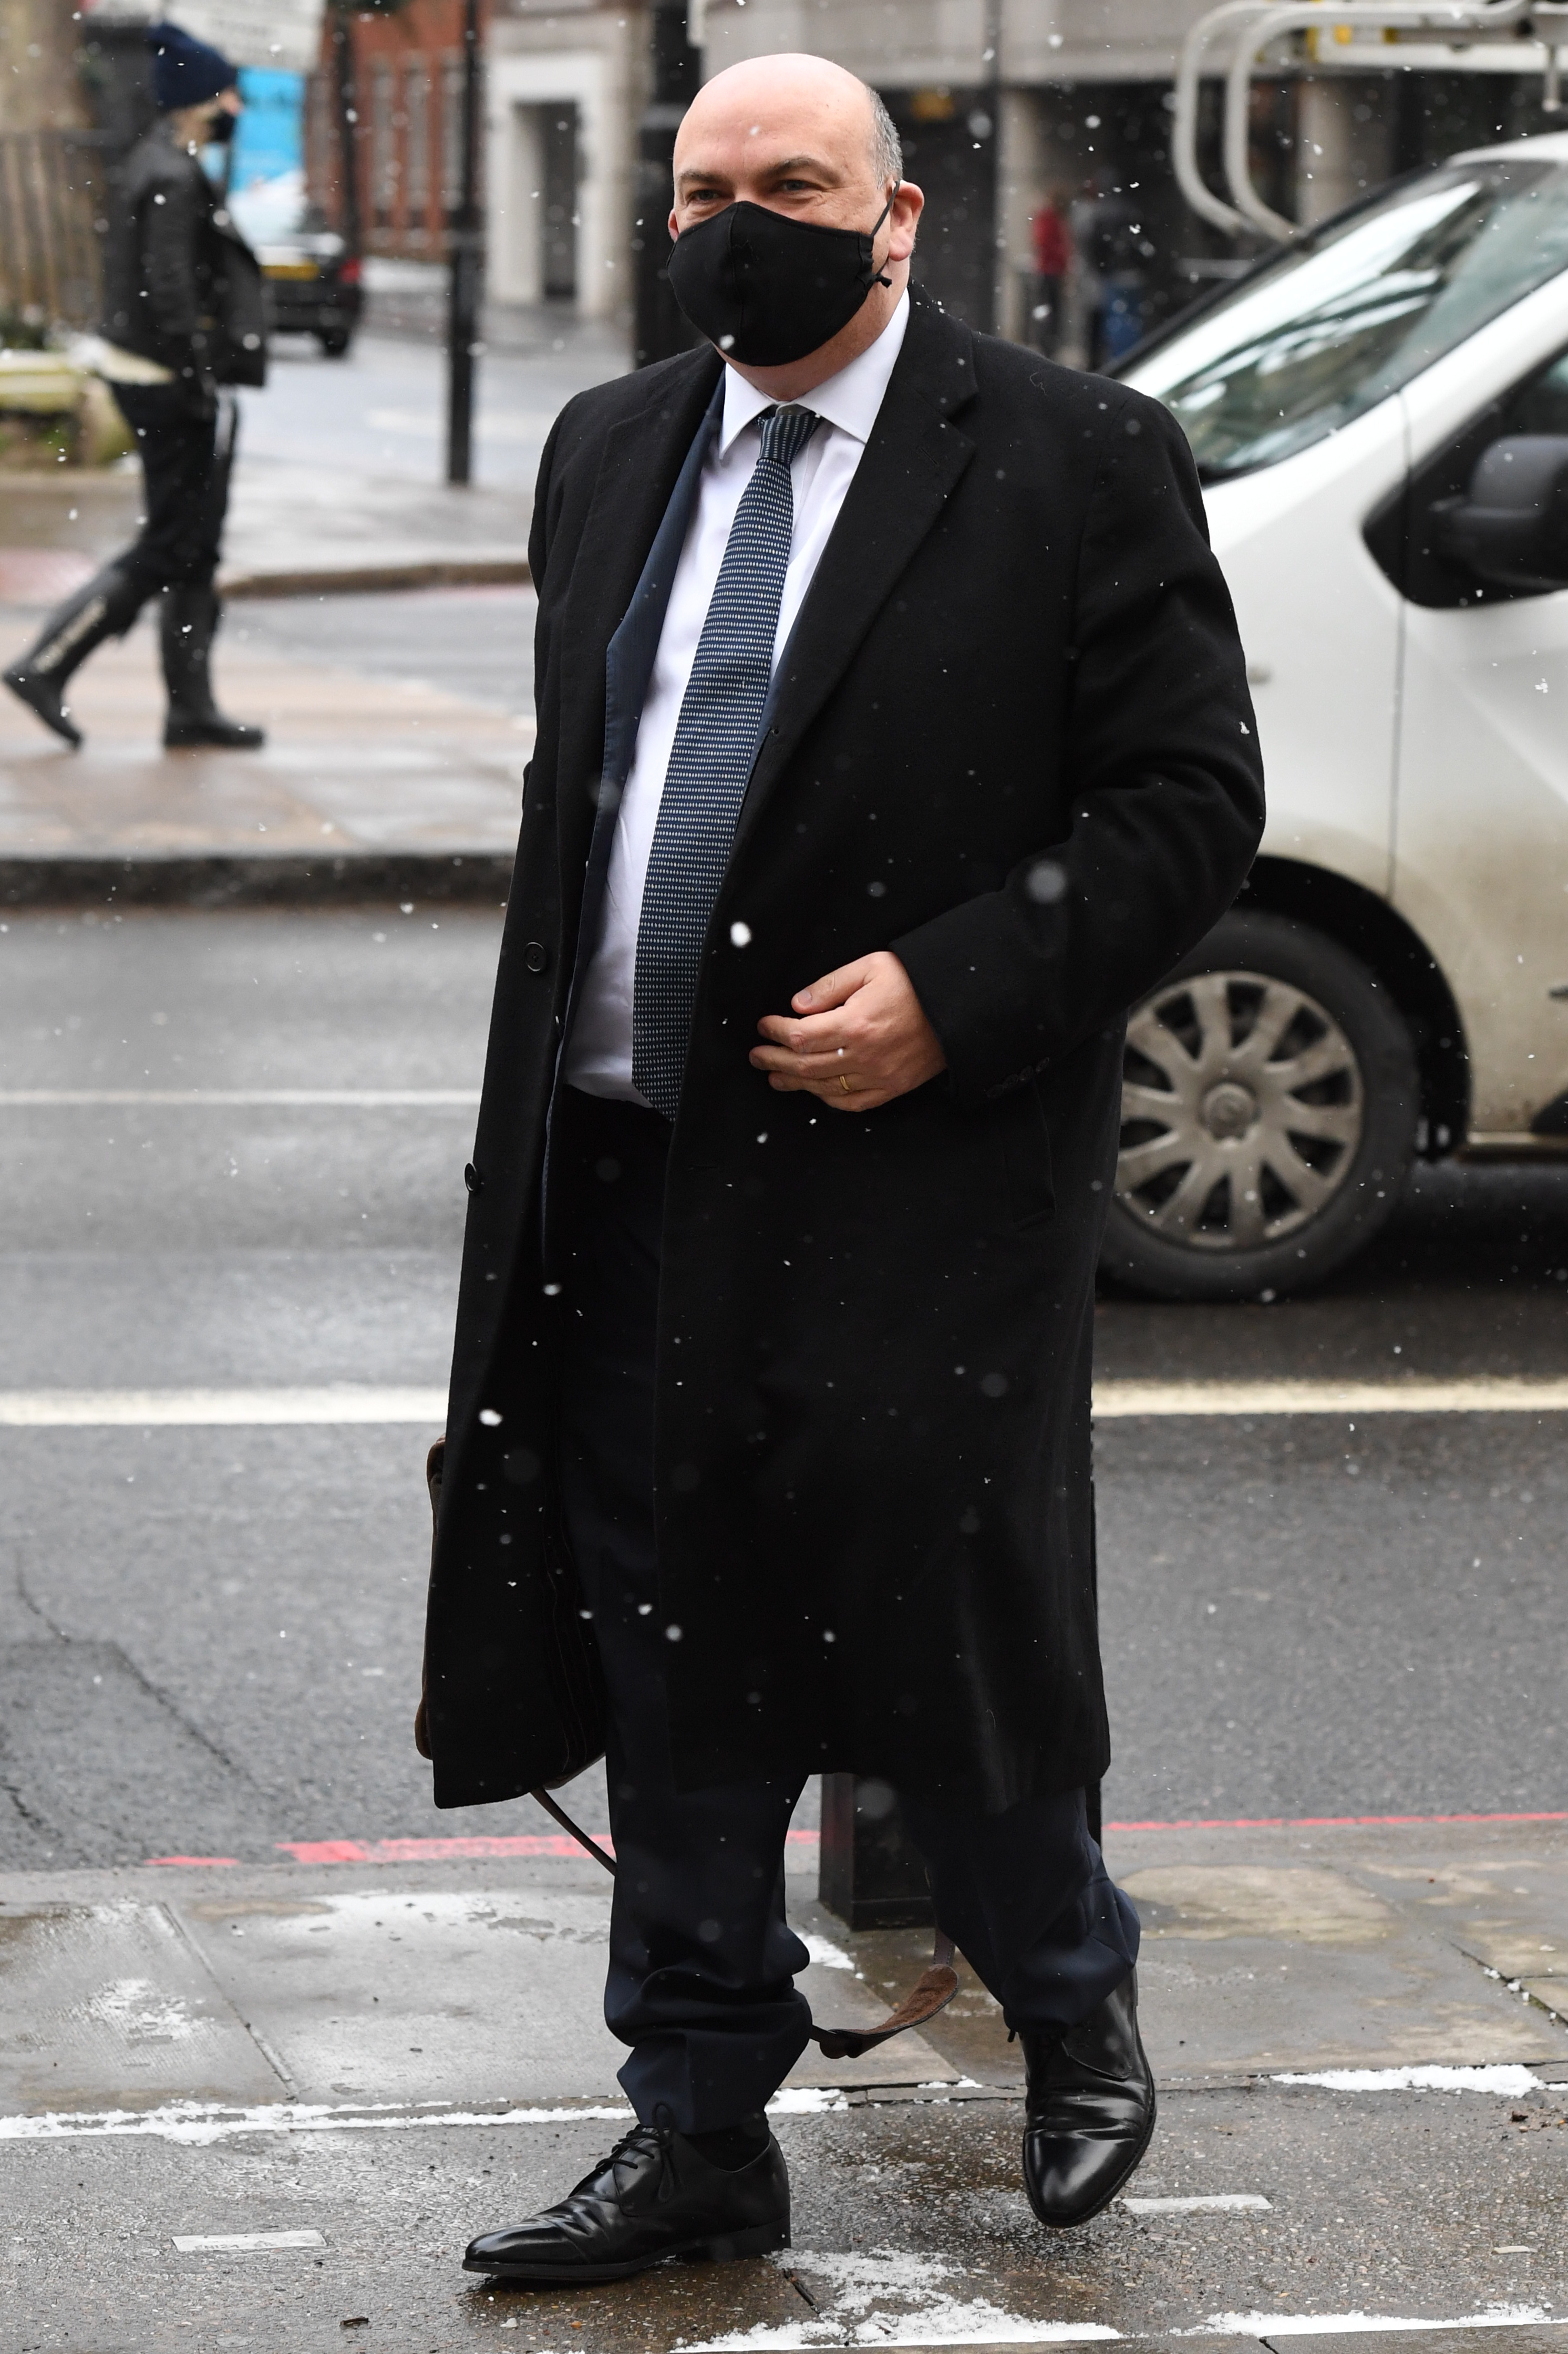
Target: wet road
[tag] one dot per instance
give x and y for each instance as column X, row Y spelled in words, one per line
column 209, row 1638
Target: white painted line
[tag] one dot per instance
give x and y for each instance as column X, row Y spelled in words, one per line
column 149, row 1409
column 1505, row 2079
column 200, row 1099
column 193, row 2244
column 201, row 2123
column 352, row 1403
column 1116, row 1400
column 1348, row 2324
column 1219, row 2203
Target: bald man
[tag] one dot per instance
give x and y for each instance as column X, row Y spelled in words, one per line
column 893, row 739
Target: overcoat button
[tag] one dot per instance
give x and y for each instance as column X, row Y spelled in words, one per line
column 473, row 1180
column 536, row 956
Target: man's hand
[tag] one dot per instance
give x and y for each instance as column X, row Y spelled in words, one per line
column 854, row 1039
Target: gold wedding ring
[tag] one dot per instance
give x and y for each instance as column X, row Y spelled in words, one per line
column 843, row 1083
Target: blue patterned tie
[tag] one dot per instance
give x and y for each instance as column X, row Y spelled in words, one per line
column 710, row 762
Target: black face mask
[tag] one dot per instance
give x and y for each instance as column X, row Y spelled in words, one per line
column 222, row 130
column 768, row 289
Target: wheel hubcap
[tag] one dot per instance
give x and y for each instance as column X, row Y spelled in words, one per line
column 1242, row 1109
column 1229, row 1110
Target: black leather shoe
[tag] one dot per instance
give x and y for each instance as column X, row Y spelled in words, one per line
column 1089, row 2113
column 654, row 2196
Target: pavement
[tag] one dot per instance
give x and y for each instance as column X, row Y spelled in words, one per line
column 262, row 2108
column 374, row 779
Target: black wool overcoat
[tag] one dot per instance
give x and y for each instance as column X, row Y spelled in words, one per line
column 1011, row 740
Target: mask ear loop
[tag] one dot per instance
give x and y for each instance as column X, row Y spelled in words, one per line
column 878, row 277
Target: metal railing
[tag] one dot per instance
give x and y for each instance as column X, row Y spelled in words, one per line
column 52, row 191
column 1248, row 28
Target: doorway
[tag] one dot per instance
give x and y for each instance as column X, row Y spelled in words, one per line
column 558, row 148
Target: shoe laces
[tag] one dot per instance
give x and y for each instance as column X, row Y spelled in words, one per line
column 661, row 2136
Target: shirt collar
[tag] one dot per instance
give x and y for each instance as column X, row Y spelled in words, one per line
column 849, row 400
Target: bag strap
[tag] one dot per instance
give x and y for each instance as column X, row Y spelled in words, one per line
column 936, row 1988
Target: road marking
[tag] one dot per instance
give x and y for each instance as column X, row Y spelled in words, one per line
column 197, row 1098
column 796, row 1844
column 1219, row 2202
column 146, row 1409
column 201, row 2123
column 345, row 1401
column 1323, row 1822
column 1116, row 1400
column 190, row 2243
column 1345, row 2325
column 1508, row 2081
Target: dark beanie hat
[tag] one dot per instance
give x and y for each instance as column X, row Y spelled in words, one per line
column 184, row 70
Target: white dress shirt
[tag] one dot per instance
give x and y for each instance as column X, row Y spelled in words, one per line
column 599, row 1059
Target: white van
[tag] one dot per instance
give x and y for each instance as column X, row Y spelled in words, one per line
column 1380, row 416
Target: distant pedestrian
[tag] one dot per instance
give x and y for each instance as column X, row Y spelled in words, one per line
column 1108, row 233
column 183, row 320
column 1053, row 260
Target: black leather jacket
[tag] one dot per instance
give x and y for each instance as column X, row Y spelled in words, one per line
column 180, row 285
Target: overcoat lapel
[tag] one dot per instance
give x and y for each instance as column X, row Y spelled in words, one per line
column 914, row 459
column 638, row 472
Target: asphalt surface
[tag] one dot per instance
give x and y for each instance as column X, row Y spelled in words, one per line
column 477, row 643
column 382, row 409
column 209, row 1638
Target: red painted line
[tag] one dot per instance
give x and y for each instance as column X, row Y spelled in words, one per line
column 556, row 1843
column 1322, row 1822
column 446, row 1851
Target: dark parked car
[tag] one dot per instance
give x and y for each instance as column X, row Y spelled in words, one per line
column 311, row 278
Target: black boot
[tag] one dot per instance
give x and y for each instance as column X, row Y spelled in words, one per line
column 104, row 609
column 1089, row 2113
column 654, row 2196
column 189, row 624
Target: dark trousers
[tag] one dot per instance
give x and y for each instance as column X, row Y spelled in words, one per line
column 701, row 1958
column 186, row 461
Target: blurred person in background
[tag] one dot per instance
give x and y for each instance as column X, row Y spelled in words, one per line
column 182, row 321
column 1108, row 232
column 1053, row 260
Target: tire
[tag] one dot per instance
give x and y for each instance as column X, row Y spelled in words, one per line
column 334, row 342
column 1326, row 1130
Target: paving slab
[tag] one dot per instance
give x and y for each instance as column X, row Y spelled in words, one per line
column 1372, row 1941
column 107, row 2005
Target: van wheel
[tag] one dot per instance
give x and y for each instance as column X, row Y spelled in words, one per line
column 333, row 340
column 1268, row 1118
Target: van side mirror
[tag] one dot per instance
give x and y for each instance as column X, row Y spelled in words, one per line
column 1511, row 527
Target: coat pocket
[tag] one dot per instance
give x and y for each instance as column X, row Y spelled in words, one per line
column 1024, row 1140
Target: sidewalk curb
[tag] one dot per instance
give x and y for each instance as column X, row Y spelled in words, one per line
column 474, row 878
column 371, row 579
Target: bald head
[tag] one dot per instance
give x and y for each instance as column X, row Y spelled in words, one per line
column 795, row 94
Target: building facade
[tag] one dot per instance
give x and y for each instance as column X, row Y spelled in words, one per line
column 1009, row 110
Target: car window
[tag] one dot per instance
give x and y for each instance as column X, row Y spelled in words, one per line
column 271, row 211
column 1542, row 404
column 1353, row 310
